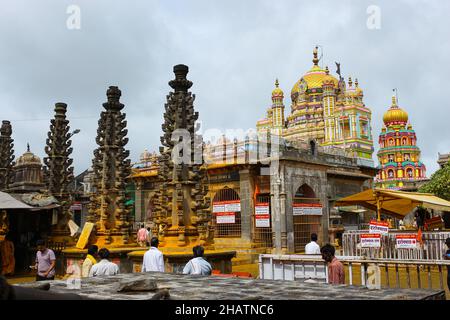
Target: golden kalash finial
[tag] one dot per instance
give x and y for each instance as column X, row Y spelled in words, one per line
column 350, row 81
column 394, row 100
column 327, row 71
column 276, row 83
column 315, row 60
column 356, row 82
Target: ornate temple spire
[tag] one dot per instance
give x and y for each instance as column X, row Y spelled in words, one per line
column 181, row 207
column 315, row 59
column 6, row 155
column 111, row 166
column 58, row 169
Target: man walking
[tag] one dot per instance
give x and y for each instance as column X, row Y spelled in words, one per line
column 104, row 267
column 336, row 273
column 198, row 265
column 45, row 262
column 142, row 236
column 312, row 247
column 447, row 257
column 153, row 258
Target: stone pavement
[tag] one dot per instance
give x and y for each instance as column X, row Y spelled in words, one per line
column 216, row 288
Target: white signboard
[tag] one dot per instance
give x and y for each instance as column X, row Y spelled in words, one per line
column 378, row 227
column 371, row 240
column 406, row 241
column 225, row 217
column 227, row 206
column 262, row 215
column 300, row 209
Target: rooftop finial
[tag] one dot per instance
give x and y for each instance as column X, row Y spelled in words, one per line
column 394, row 100
column 350, row 81
column 276, row 83
column 394, row 97
column 28, row 147
column 327, row 71
column 315, row 60
column 356, row 82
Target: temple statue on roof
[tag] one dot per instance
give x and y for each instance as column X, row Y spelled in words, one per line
column 399, row 156
column 324, row 109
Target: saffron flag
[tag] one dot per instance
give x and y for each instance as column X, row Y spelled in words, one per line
column 419, row 236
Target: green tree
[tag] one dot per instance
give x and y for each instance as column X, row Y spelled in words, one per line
column 439, row 183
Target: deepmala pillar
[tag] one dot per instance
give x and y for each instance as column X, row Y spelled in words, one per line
column 58, row 169
column 6, row 155
column 108, row 209
column 182, row 211
column 181, row 208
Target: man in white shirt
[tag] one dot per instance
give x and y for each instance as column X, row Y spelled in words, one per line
column 153, row 258
column 104, row 267
column 312, row 247
column 198, row 265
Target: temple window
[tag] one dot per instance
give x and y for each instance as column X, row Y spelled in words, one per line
column 404, row 141
column 409, row 173
column 390, row 173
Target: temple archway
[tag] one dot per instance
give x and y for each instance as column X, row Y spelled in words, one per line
column 227, row 214
column 307, row 215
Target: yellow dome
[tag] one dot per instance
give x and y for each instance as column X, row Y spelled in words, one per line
column 395, row 114
column 315, row 77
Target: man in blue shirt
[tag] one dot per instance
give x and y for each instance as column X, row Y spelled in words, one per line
column 198, row 265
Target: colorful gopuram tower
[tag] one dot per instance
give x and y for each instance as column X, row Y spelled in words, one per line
column 399, row 155
column 324, row 109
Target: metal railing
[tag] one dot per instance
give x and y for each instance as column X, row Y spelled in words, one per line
column 433, row 246
column 416, row 274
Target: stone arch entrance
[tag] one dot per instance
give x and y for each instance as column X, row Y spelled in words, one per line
column 226, row 218
column 307, row 215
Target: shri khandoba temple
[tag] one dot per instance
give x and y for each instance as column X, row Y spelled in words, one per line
column 324, row 109
column 399, row 155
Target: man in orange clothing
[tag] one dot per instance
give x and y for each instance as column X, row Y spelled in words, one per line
column 336, row 274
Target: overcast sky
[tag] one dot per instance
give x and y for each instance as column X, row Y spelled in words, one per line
column 234, row 49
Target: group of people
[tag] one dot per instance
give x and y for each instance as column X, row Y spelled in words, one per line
column 154, row 260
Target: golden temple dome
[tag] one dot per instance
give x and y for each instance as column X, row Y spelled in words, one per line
column 277, row 92
column 395, row 115
column 28, row 158
column 314, row 78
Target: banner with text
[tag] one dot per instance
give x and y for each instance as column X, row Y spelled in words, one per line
column 227, row 206
column 302, row 209
column 406, row 241
column 378, row 227
column 370, row 240
column 225, row 217
column 262, row 215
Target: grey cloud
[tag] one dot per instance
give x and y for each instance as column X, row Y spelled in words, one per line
column 235, row 50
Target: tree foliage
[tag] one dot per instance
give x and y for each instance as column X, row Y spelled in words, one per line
column 439, row 183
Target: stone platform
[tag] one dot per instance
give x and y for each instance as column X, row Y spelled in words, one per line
column 189, row 287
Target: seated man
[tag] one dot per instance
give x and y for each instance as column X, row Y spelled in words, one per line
column 104, row 267
column 198, row 265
